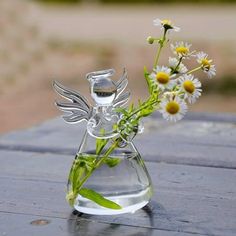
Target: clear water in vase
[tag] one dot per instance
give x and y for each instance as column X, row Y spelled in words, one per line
column 126, row 184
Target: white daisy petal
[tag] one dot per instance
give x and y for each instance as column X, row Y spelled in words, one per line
column 211, row 72
column 191, row 87
column 200, row 56
column 162, row 76
column 181, row 49
column 173, row 63
column 206, row 64
column 173, row 109
column 165, row 24
column 157, row 22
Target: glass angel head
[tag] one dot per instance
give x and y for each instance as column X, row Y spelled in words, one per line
column 107, row 95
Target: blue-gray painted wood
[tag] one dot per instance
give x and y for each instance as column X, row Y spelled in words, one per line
column 187, row 199
column 192, row 197
column 21, row 224
column 202, row 143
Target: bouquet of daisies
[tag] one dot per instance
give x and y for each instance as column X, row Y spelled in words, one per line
column 171, row 87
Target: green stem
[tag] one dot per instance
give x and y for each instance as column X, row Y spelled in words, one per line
column 193, row 70
column 161, row 44
column 180, row 60
column 99, row 162
column 139, row 109
column 157, row 56
column 107, row 153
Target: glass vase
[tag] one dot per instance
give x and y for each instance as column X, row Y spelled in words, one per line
column 123, row 180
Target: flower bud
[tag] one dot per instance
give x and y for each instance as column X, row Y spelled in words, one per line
column 150, row 39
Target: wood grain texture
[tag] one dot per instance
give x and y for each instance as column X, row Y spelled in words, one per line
column 188, row 199
column 72, row 226
column 192, row 197
column 191, row 142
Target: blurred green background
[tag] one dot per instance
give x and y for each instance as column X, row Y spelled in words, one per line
column 42, row 40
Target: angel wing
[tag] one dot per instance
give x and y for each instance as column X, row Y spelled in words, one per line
column 78, row 107
column 122, row 97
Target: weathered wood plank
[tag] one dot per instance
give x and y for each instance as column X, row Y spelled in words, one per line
column 159, row 150
column 171, row 210
column 190, row 131
column 188, row 142
column 18, row 224
column 54, row 168
column 35, row 166
column 188, row 199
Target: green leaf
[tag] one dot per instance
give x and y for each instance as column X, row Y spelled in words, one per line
column 152, row 87
column 78, row 172
column 98, row 198
column 131, row 108
column 121, row 110
column 81, row 165
column 149, row 83
column 87, row 158
column 100, row 143
column 111, row 162
column 88, row 162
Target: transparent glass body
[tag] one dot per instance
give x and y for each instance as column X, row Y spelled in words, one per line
column 127, row 184
column 108, row 175
column 103, row 91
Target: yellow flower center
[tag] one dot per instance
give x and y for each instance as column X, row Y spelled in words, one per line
column 189, row 86
column 206, row 63
column 166, row 22
column 182, row 50
column 162, row 77
column 172, row 107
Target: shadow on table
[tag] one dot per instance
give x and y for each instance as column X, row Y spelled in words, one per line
column 83, row 224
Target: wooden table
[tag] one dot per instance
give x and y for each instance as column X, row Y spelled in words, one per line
column 192, row 165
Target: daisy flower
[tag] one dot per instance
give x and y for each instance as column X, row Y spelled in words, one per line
column 191, row 87
column 181, row 49
column 165, row 24
column 202, row 59
column 173, row 62
column 162, row 76
column 173, row 108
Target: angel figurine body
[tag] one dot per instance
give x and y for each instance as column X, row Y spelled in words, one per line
column 108, row 175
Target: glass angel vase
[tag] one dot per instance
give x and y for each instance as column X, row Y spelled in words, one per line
column 108, row 175
column 122, row 178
